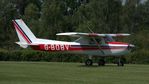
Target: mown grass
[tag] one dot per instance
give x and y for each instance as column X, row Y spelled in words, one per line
column 71, row 73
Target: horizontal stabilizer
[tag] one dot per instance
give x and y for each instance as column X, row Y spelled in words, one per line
column 23, row 45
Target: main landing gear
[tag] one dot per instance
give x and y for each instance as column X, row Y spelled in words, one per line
column 120, row 62
column 101, row 62
column 89, row 62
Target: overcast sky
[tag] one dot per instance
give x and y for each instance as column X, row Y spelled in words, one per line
column 141, row 1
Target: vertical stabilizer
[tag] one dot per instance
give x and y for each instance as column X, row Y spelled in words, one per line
column 24, row 33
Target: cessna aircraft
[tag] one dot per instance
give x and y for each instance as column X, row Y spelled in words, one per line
column 90, row 44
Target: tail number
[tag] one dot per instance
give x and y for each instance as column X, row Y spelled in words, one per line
column 57, row 47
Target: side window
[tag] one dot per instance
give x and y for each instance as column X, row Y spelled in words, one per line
column 98, row 40
column 93, row 41
column 108, row 39
column 102, row 41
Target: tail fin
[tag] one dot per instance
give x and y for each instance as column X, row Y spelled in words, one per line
column 25, row 35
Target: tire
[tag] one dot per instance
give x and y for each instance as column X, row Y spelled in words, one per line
column 88, row 62
column 121, row 63
column 101, row 62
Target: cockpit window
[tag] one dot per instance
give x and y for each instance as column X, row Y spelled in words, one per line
column 95, row 41
column 101, row 40
column 108, row 39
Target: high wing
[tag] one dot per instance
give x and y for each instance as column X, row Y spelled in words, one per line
column 78, row 34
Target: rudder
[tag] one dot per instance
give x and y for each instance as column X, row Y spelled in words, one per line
column 24, row 33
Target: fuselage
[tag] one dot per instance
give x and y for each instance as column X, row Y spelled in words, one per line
column 108, row 49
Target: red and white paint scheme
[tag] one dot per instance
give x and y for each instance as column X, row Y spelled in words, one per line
column 90, row 44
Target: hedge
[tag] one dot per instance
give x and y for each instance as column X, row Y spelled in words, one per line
column 30, row 55
column 139, row 57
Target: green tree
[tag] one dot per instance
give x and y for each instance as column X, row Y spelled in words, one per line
column 32, row 12
column 7, row 13
column 99, row 15
column 31, row 17
column 129, row 16
column 52, row 17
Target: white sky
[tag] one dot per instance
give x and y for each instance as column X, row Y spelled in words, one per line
column 141, row 1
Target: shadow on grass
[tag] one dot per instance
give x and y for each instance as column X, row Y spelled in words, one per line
column 108, row 65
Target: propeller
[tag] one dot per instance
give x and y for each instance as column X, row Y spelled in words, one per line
column 130, row 46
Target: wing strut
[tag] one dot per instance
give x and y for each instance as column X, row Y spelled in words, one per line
column 96, row 42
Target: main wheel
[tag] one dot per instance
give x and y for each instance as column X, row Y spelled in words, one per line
column 88, row 62
column 120, row 63
column 101, row 62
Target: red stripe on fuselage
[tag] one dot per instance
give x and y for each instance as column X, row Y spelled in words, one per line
column 122, row 43
column 42, row 47
column 21, row 32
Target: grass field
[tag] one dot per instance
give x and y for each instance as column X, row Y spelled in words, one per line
column 71, row 73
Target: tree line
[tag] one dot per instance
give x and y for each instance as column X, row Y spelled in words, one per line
column 48, row 17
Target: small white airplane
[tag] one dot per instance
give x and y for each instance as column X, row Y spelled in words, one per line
column 90, row 44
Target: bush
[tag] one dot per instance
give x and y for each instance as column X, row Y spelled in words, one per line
column 30, row 55
column 139, row 57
